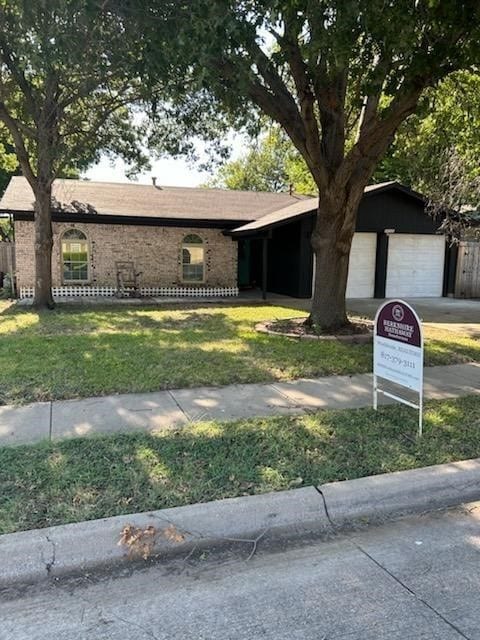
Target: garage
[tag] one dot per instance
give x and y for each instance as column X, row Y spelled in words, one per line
column 415, row 265
column 396, row 250
column 361, row 270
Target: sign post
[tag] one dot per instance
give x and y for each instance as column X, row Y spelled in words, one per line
column 398, row 353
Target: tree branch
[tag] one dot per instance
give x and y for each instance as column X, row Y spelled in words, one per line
column 306, row 98
column 20, row 149
column 23, row 84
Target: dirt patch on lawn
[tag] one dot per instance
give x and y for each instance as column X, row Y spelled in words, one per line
column 359, row 330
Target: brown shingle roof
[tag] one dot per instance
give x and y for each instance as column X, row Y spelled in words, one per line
column 118, row 199
column 303, row 207
column 291, row 212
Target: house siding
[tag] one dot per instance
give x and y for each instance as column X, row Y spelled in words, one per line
column 155, row 251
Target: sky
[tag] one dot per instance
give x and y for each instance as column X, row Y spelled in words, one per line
column 170, row 172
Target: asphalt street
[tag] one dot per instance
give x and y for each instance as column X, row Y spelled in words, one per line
column 416, row 578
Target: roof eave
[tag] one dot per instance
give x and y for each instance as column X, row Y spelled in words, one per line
column 153, row 221
column 396, row 186
column 260, row 231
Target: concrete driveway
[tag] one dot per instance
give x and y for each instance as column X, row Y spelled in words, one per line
column 445, row 313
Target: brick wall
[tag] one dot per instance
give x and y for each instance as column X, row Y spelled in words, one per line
column 156, row 252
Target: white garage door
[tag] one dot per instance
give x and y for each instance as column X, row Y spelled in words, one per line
column 361, row 270
column 415, row 266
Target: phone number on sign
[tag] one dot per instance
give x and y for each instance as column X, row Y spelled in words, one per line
column 397, row 360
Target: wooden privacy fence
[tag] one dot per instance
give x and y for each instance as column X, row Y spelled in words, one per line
column 7, row 257
column 467, row 282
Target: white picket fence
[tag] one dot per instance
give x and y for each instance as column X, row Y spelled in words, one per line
column 147, row 292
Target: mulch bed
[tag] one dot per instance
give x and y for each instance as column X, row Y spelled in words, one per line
column 357, row 331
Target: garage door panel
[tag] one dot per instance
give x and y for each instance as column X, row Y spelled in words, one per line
column 415, row 266
column 361, row 271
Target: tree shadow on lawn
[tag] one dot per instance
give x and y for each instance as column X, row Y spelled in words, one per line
column 451, row 350
column 195, row 349
column 89, row 478
column 207, row 353
column 97, row 320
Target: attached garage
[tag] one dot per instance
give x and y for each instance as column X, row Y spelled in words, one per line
column 396, row 249
column 361, row 269
column 415, row 265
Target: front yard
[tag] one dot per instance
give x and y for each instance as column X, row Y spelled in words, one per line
column 53, row 483
column 86, row 351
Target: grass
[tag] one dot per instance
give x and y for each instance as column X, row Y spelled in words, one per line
column 82, row 351
column 72, row 480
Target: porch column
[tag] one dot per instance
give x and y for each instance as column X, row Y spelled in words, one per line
column 264, row 267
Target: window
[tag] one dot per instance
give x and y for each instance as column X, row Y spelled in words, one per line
column 75, row 256
column 192, row 259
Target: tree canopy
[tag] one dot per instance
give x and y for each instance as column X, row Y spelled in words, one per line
column 338, row 77
column 447, row 123
column 67, row 85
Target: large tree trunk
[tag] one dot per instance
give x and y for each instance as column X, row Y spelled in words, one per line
column 47, row 151
column 331, row 242
column 43, row 298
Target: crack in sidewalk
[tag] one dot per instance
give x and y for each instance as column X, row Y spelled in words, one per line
column 179, row 406
column 50, row 423
column 411, row 591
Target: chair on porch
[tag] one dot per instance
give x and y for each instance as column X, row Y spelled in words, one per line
column 127, row 280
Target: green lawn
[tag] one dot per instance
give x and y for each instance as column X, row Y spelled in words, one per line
column 73, row 480
column 82, row 351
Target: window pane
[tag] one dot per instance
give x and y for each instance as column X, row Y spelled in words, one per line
column 192, row 261
column 193, row 272
column 74, row 234
column 192, row 239
column 75, row 271
column 196, row 255
column 186, row 256
column 75, row 256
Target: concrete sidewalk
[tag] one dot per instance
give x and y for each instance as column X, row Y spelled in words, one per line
column 166, row 409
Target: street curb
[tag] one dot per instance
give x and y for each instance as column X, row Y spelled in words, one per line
column 32, row 556
column 41, row 554
column 390, row 495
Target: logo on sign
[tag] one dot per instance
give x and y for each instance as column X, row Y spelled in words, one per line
column 398, row 313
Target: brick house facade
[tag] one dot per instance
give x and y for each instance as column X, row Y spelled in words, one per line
column 211, row 242
column 155, row 251
column 176, row 240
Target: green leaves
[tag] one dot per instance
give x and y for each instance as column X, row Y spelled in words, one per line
column 67, row 77
column 272, row 164
column 448, row 120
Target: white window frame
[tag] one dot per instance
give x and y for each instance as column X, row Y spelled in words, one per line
column 62, row 261
column 193, row 245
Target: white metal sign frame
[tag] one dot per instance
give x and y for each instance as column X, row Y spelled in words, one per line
column 396, row 359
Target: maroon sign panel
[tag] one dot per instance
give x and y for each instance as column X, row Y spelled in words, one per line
column 396, row 321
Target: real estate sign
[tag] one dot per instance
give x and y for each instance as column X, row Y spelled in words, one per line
column 398, row 352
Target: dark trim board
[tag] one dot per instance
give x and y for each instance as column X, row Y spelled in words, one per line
column 141, row 221
column 381, row 264
column 395, row 187
column 255, row 233
column 450, row 272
